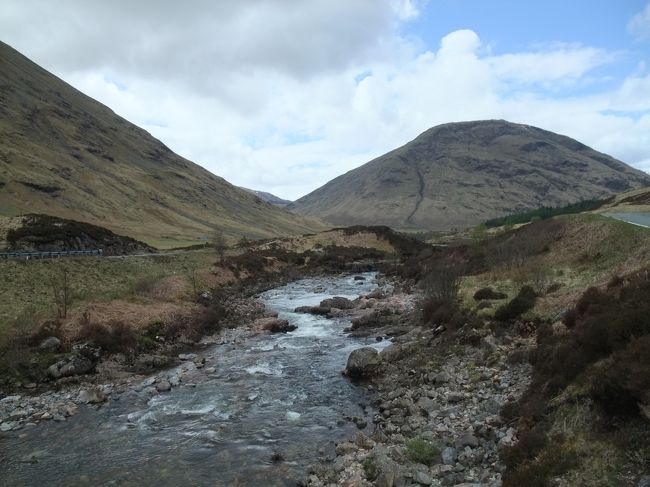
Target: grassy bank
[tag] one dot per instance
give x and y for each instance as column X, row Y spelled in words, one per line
column 27, row 287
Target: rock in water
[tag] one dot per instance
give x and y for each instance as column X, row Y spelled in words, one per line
column 337, row 302
column 314, row 310
column 163, row 386
column 275, row 325
column 91, row 396
column 363, row 362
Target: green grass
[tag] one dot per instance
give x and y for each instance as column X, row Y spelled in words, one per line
column 422, row 451
column 589, row 251
column 27, row 292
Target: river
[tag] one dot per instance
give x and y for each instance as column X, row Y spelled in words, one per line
column 272, row 407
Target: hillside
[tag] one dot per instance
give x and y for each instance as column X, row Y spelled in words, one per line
column 460, row 174
column 64, row 154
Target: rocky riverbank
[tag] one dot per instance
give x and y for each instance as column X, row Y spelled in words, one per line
column 18, row 411
column 88, row 378
column 438, row 400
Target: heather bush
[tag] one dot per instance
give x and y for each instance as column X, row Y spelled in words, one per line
column 524, row 301
column 113, row 337
column 488, row 293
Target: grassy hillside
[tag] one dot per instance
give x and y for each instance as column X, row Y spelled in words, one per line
column 457, row 175
column 64, row 154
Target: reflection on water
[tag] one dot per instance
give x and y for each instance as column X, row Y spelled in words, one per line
column 273, row 394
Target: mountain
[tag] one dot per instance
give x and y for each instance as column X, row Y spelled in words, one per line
column 270, row 198
column 457, row 175
column 64, row 154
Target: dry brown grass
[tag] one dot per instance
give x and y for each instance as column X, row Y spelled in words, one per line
column 337, row 238
column 136, row 315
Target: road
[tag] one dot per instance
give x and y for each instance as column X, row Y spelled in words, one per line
column 639, row 219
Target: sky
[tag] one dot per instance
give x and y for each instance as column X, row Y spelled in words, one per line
column 284, row 95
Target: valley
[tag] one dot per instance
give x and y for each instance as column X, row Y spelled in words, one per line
column 469, row 309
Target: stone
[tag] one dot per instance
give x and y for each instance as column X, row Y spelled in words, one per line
column 275, row 325
column 337, row 302
column 454, row 397
column 395, row 352
column 467, row 439
column 489, row 344
column 163, row 386
column 442, row 378
column 363, row 362
column 50, row 344
column 91, row 396
column 644, row 481
column 186, row 356
column 314, row 310
column 66, row 368
column 7, row 426
column 449, row 455
column 422, row 478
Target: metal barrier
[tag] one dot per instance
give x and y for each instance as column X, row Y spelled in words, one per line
column 49, row 255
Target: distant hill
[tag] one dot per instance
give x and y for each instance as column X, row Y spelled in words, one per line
column 460, row 174
column 268, row 197
column 64, row 154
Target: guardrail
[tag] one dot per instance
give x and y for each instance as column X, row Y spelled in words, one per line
column 49, row 255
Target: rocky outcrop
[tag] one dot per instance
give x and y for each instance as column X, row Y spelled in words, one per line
column 83, row 360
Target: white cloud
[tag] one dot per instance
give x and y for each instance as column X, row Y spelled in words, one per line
column 639, row 25
column 560, row 63
column 282, row 98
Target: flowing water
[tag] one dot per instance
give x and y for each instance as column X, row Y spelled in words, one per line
column 279, row 394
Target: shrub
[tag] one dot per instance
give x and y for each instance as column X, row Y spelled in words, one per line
column 524, row 301
column 437, row 311
column 370, row 469
column 113, row 337
column 625, row 383
column 49, row 328
column 442, row 281
column 555, row 458
column 145, row 286
column 422, row 451
column 529, row 445
column 488, row 293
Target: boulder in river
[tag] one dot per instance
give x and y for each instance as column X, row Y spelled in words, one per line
column 337, row 302
column 275, row 325
column 314, row 310
column 363, row 362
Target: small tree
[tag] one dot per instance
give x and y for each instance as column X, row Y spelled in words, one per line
column 62, row 292
column 219, row 244
column 442, row 281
